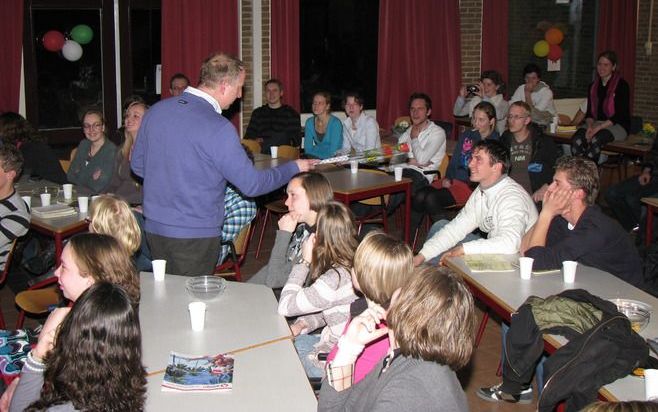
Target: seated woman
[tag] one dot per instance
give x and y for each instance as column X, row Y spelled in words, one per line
column 91, row 168
column 327, row 257
column 87, row 258
column 88, row 357
column 382, row 265
column 323, row 133
column 608, row 114
column 490, row 89
column 454, row 188
column 360, row 131
column 39, row 160
column 124, row 183
column 430, row 330
column 307, row 193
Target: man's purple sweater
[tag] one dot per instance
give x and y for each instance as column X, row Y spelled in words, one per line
column 186, row 152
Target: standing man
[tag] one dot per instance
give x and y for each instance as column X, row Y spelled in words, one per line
column 14, row 214
column 498, row 206
column 532, row 154
column 186, row 151
column 275, row 123
column 537, row 95
column 178, row 84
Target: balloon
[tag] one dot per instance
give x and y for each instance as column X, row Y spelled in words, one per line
column 541, row 48
column 82, row 34
column 53, row 41
column 72, row 51
column 554, row 52
column 554, row 36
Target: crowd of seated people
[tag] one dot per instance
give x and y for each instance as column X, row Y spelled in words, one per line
column 377, row 324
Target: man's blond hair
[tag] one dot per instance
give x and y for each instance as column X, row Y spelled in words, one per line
column 220, row 68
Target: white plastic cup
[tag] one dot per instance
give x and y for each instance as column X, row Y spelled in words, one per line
column 159, row 268
column 553, row 127
column 83, row 204
column 398, row 173
column 651, row 384
column 27, row 200
column 68, row 190
column 569, row 271
column 274, row 151
column 197, row 315
column 354, row 166
column 94, row 198
column 525, row 266
column 45, row 199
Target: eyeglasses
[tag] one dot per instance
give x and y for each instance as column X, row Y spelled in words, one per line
column 92, row 126
column 515, row 117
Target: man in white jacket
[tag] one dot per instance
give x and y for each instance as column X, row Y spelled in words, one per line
column 499, row 207
column 537, row 94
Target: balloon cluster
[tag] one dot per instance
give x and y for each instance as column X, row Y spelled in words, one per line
column 550, row 46
column 70, row 47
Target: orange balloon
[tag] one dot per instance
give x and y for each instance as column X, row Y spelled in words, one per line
column 554, row 36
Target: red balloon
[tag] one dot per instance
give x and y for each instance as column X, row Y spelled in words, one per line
column 53, row 41
column 554, row 52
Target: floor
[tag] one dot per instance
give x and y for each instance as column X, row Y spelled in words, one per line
column 480, row 372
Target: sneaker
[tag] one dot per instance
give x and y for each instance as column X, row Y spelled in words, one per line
column 494, row 394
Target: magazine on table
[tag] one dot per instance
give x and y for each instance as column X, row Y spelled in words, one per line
column 186, row 373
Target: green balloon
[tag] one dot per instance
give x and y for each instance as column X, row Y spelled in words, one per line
column 82, row 34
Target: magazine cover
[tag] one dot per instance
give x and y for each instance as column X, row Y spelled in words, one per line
column 198, row 374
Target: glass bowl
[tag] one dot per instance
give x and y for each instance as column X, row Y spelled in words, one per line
column 205, row 287
column 637, row 312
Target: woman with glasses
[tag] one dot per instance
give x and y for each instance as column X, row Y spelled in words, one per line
column 490, row 89
column 92, row 166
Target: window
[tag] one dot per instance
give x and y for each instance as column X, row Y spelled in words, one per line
column 577, row 19
column 338, row 50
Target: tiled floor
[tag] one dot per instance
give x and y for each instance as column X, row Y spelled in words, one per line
column 480, row 372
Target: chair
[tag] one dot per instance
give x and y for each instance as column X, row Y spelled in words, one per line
column 239, row 247
column 65, row 164
column 3, row 277
column 381, row 201
column 37, row 299
column 252, row 145
column 288, row 152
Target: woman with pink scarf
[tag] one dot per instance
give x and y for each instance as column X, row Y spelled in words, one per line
column 608, row 115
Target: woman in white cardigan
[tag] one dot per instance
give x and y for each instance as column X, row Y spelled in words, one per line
column 490, row 89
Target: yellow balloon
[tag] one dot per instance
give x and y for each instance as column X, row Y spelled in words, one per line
column 541, row 48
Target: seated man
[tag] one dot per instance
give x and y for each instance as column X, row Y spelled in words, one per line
column 499, row 207
column 532, row 154
column 624, row 197
column 14, row 214
column 571, row 227
column 178, row 83
column 537, row 95
column 275, row 123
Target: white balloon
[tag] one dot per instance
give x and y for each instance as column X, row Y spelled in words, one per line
column 72, row 51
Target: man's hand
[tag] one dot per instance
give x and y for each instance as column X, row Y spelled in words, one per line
column 418, row 259
column 446, row 183
column 644, row 178
column 305, row 165
column 538, row 196
column 289, row 221
column 556, row 202
column 455, row 251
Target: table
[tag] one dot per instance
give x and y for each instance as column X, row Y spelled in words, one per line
column 632, row 146
column 652, row 207
column 57, row 228
column 350, row 187
column 504, row 292
column 269, row 377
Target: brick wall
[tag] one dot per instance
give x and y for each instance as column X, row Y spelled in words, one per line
column 646, row 67
column 471, row 34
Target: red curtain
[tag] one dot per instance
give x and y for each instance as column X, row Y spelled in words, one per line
column 419, row 51
column 285, row 49
column 11, row 33
column 616, row 31
column 191, row 30
column 494, row 54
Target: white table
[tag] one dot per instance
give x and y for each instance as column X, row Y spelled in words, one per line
column 268, row 377
column 504, row 292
